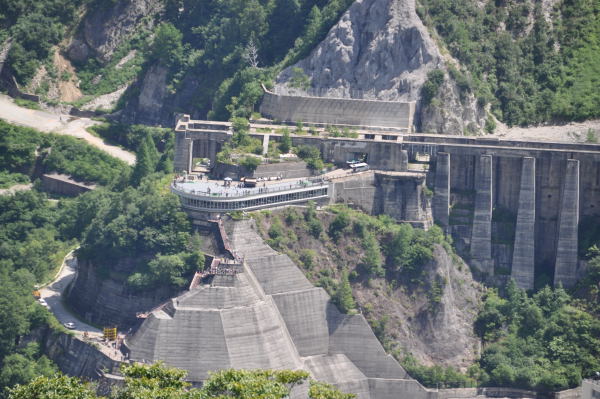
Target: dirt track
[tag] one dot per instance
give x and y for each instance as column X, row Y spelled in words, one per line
column 60, row 124
column 571, row 132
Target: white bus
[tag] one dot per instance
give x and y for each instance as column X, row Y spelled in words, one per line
column 359, row 167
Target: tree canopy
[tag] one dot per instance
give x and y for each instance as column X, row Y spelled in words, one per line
column 159, row 382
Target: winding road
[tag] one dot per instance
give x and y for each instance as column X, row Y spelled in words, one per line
column 52, row 294
column 60, row 124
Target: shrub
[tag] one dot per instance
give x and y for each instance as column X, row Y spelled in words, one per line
column 250, row 163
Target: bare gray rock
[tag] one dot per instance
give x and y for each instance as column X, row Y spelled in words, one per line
column 380, row 49
column 153, row 91
column 105, row 28
column 443, row 332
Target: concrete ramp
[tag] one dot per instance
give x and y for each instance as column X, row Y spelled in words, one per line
column 304, row 313
column 352, row 336
column 341, row 372
column 269, row 316
column 191, row 340
column 275, row 272
column 256, row 340
column 278, row 274
column 215, row 297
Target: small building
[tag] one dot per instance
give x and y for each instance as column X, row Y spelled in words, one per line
column 57, row 183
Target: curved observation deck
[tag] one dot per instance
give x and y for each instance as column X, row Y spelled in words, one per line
column 214, row 197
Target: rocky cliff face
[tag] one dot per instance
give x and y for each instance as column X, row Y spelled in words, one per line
column 444, row 330
column 104, row 300
column 433, row 320
column 380, row 49
column 106, row 27
column 430, row 317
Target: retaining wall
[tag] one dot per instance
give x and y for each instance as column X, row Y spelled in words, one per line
column 338, row 111
column 64, row 185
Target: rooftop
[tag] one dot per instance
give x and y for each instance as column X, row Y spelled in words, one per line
column 234, row 189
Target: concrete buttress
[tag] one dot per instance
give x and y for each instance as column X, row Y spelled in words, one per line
column 481, row 236
column 441, row 198
column 523, row 261
column 565, row 270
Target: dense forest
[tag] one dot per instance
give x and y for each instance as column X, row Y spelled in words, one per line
column 157, row 381
column 238, row 44
column 534, row 62
column 36, row 232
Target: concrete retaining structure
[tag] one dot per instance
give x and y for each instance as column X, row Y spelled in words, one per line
column 285, row 170
column 565, row 271
column 441, row 196
column 64, row 185
column 461, row 167
column 481, row 237
column 342, row 111
column 523, row 262
column 590, row 389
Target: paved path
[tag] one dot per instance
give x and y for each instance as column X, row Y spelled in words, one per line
column 60, row 124
column 52, row 294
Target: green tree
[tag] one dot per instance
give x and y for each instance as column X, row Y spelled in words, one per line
column 299, row 79
column 167, row 46
column 432, row 85
column 144, row 163
column 343, row 295
column 372, row 260
column 286, row 142
column 58, row 387
column 339, row 225
column 241, row 129
column 250, row 162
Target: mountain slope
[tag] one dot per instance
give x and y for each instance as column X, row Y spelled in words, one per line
column 380, row 49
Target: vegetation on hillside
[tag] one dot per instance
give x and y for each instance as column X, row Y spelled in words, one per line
column 145, row 225
column 547, row 342
column 34, row 27
column 541, row 342
column 157, row 381
column 231, row 46
column 529, row 68
column 21, row 148
column 36, row 234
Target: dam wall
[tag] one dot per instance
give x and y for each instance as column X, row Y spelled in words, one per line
column 529, row 204
column 338, row 111
column 522, row 206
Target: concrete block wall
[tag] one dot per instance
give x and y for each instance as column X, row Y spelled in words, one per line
column 441, row 196
column 565, row 271
column 523, row 261
column 481, row 237
column 401, row 197
column 544, row 194
column 338, row 111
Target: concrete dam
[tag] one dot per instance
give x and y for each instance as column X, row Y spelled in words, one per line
column 515, row 209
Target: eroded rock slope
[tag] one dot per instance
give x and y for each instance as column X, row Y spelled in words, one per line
column 380, row 49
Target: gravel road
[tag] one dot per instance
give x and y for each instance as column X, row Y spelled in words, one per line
column 60, row 124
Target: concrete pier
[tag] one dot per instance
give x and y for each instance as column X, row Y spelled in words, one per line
column 441, row 197
column 565, row 270
column 523, row 261
column 481, row 236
